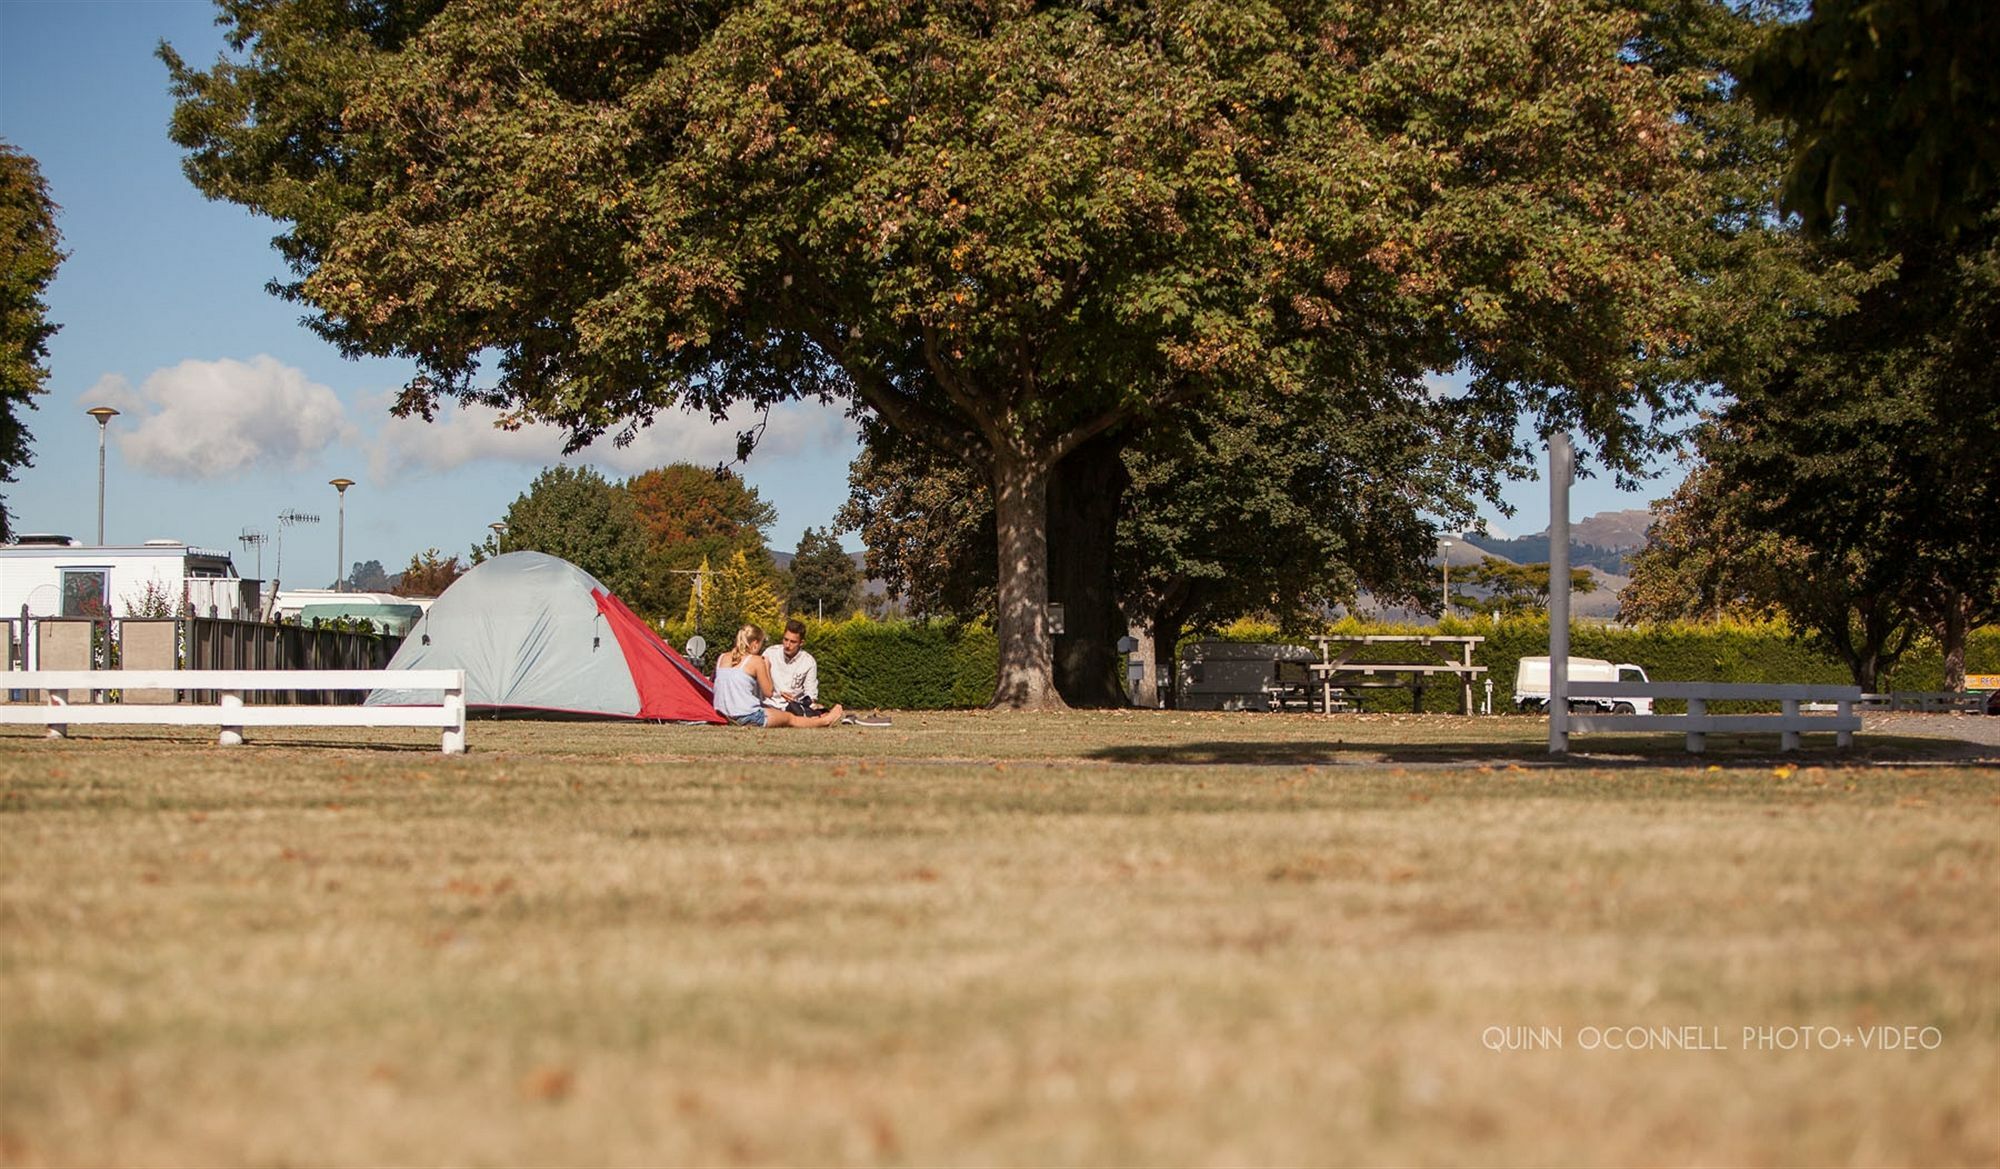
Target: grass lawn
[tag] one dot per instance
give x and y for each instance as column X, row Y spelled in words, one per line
column 1104, row 938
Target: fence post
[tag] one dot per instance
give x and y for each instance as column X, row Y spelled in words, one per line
column 232, row 736
column 1562, row 468
column 454, row 707
column 1844, row 710
column 1788, row 738
column 1697, row 710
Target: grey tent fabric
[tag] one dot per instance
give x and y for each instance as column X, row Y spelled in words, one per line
column 529, row 636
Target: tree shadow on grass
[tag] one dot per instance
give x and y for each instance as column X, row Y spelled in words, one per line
column 1596, row 751
column 252, row 742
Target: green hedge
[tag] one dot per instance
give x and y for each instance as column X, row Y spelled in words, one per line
column 891, row 665
column 916, row 665
column 1728, row 652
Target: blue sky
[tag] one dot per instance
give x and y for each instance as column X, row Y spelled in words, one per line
column 232, row 411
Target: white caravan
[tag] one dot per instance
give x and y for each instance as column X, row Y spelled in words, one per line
column 1531, row 685
column 55, row 576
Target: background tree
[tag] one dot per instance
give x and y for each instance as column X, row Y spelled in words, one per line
column 30, row 252
column 926, row 524
column 429, row 574
column 736, row 594
column 368, row 576
column 689, row 514
column 1517, row 588
column 824, row 579
column 576, row 514
column 1701, row 561
column 1004, row 229
column 1722, row 547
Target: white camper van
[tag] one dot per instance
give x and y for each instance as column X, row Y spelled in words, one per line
column 1531, row 685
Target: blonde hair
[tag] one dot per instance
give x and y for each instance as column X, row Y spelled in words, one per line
column 745, row 636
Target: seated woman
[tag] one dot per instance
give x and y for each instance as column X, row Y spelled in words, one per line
column 743, row 681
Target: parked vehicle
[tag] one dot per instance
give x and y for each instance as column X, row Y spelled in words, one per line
column 1531, row 685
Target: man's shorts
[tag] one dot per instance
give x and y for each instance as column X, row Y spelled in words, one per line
column 754, row 719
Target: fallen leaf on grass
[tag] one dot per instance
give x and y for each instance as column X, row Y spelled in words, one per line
column 549, row 1085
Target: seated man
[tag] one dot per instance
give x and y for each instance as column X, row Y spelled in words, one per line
column 794, row 673
column 795, row 679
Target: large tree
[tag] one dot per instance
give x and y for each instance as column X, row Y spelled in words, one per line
column 1893, row 111
column 1247, row 505
column 1005, row 229
column 30, row 251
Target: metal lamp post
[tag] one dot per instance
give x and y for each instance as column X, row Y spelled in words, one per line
column 340, row 540
column 104, row 415
column 1445, row 610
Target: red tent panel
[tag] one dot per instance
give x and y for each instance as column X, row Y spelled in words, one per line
column 669, row 686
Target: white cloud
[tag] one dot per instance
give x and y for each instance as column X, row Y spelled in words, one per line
column 411, row 447
column 206, row 420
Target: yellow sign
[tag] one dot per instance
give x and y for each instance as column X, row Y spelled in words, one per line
column 1982, row 681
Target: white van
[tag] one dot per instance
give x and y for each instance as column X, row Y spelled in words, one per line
column 1531, row 685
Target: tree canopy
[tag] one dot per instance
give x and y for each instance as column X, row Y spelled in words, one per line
column 1894, row 107
column 30, row 252
column 824, row 579
column 690, row 514
column 428, row 574
column 578, row 515
column 1517, row 588
column 1004, row 229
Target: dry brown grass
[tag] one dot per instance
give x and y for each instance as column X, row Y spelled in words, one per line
column 972, row 939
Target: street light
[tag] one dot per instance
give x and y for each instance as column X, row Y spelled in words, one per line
column 1445, row 610
column 340, row 541
column 104, row 415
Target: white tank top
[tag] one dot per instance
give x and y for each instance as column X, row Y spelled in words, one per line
column 735, row 692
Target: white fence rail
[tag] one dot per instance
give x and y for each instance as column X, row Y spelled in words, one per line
column 1789, row 722
column 230, row 713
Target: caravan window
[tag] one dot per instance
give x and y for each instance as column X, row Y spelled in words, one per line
column 86, row 592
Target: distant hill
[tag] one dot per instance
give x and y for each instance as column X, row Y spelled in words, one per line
column 1604, row 541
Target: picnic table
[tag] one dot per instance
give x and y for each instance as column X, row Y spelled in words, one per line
column 1351, row 661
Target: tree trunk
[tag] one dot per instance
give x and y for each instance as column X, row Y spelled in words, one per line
column 1021, row 513
column 1167, row 621
column 1951, row 633
column 1086, row 491
column 1146, row 692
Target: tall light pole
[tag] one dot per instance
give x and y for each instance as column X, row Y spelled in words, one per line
column 340, row 541
column 104, row 415
column 1445, row 610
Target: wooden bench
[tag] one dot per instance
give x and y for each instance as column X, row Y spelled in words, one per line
column 1789, row 722
column 230, row 713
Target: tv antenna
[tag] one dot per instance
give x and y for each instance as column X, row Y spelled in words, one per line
column 255, row 538
column 286, row 519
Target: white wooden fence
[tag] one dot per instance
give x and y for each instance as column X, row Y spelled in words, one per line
column 230, row 713
column 1789, row 722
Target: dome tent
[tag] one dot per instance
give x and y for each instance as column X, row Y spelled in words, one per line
column 535, row 634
